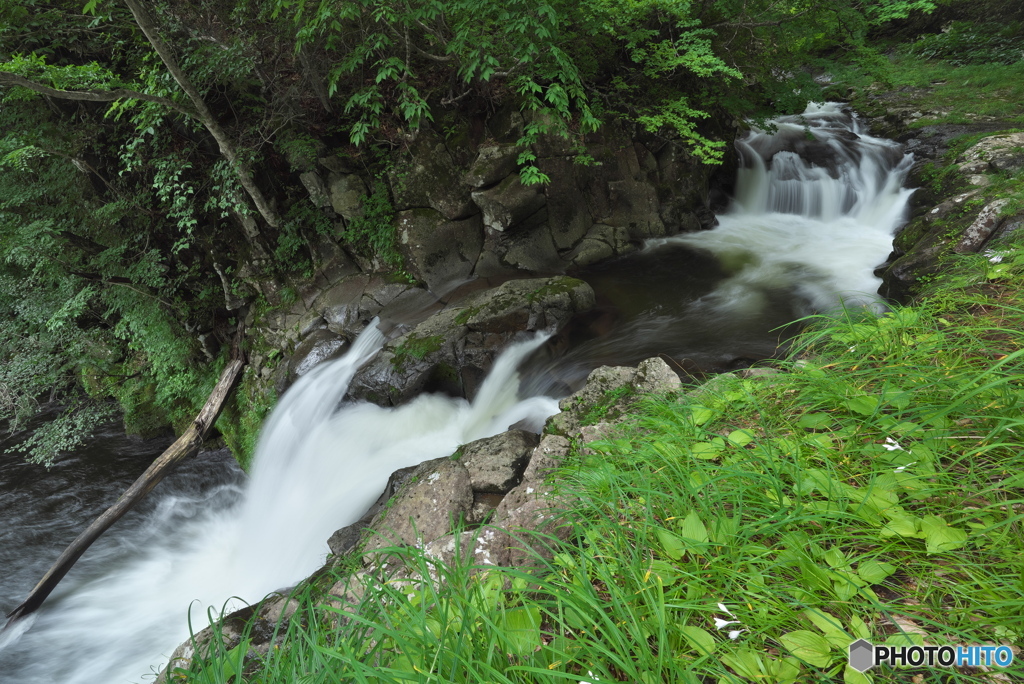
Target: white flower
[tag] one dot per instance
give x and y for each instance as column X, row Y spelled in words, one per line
column 734, row 634
column 904, row 467
column 852, row 349
column 892, row 445
column 592, row 676
column 720, row 623
column 721, row 607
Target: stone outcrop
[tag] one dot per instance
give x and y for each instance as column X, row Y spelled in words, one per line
column 491, row 503
column 956, row 220
column 453, row 349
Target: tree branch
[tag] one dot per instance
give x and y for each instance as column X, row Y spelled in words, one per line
column 188, row 444
column 7, row 78
column 203, row 113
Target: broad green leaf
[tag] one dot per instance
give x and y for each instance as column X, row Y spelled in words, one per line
column 693, row 528
column 701, row 414
column 859, row 628
column 821, row 440
column 699, row 639
column 705, row 451
column 740, row 438
column 784, row 671
column 522, row 629
column 865, row 405
column 851, row 676
column 814, row 421
column 746, row 663
column 667, row 573
column 905, row 639
column 672, row 545
column 809, row 647
column 902, row 526
column 940, row 537
column 874, row 572
column 827, row 623
column 836, row 558
column 234, row 660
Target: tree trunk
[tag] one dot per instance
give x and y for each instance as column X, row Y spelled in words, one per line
column 227, row 148
column 186, row 445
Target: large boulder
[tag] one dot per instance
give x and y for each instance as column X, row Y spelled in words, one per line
column 452, row 350
column 509, row 204
column 347, row 191
column 439, row 495
column 438, row 251
column 492, row 164
column 1001, row 152
column 429, row 177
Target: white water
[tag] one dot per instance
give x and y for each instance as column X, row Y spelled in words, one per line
column 812, row 231
column 317, row 468
column 817, row 228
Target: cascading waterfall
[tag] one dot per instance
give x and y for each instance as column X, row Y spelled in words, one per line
column 817, row 203
column 317, row 468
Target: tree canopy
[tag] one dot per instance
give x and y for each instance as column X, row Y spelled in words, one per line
column 150, row 151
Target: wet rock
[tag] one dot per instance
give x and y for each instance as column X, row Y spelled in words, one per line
column 636, row 209
column 347, row 191
column 601, row 242
column 528, row 513
column 339, row 305
column 453, row 549
column 346, row 538
column 984, row 225
column 322, row 345
column 569, row 211
column 316, row 188
column 439, row 251
column 259, row 623
column 495, row 464
column 424, row 510
column 452, row 349
column 655, row 376
column 492, row 164
column 429, row 177
column 997, row 153
column 605, row 387
column 380, row 293
column 509, row 203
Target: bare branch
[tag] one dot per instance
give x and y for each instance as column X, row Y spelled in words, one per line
column 7, row 78
column 227, row 147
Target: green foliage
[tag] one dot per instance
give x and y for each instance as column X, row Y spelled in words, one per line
column 572, row 66
column 965, row 42
column 373, row 233
column 415, row 349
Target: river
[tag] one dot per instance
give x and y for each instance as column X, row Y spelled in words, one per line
column 816, row 205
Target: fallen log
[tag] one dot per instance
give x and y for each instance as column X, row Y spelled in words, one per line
column 187, row 445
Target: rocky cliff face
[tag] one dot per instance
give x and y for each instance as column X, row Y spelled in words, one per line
column 483, row 254
column 957, row 207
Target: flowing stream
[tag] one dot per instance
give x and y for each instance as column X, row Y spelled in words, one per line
column 816, row 205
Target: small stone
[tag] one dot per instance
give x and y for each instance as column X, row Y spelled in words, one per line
column 495, row 464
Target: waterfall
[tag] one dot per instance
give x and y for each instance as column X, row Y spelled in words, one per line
column 318, row 467
column 817, row 203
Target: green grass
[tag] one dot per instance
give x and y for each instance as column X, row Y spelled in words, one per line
column 874, row 488
column 943, row 92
